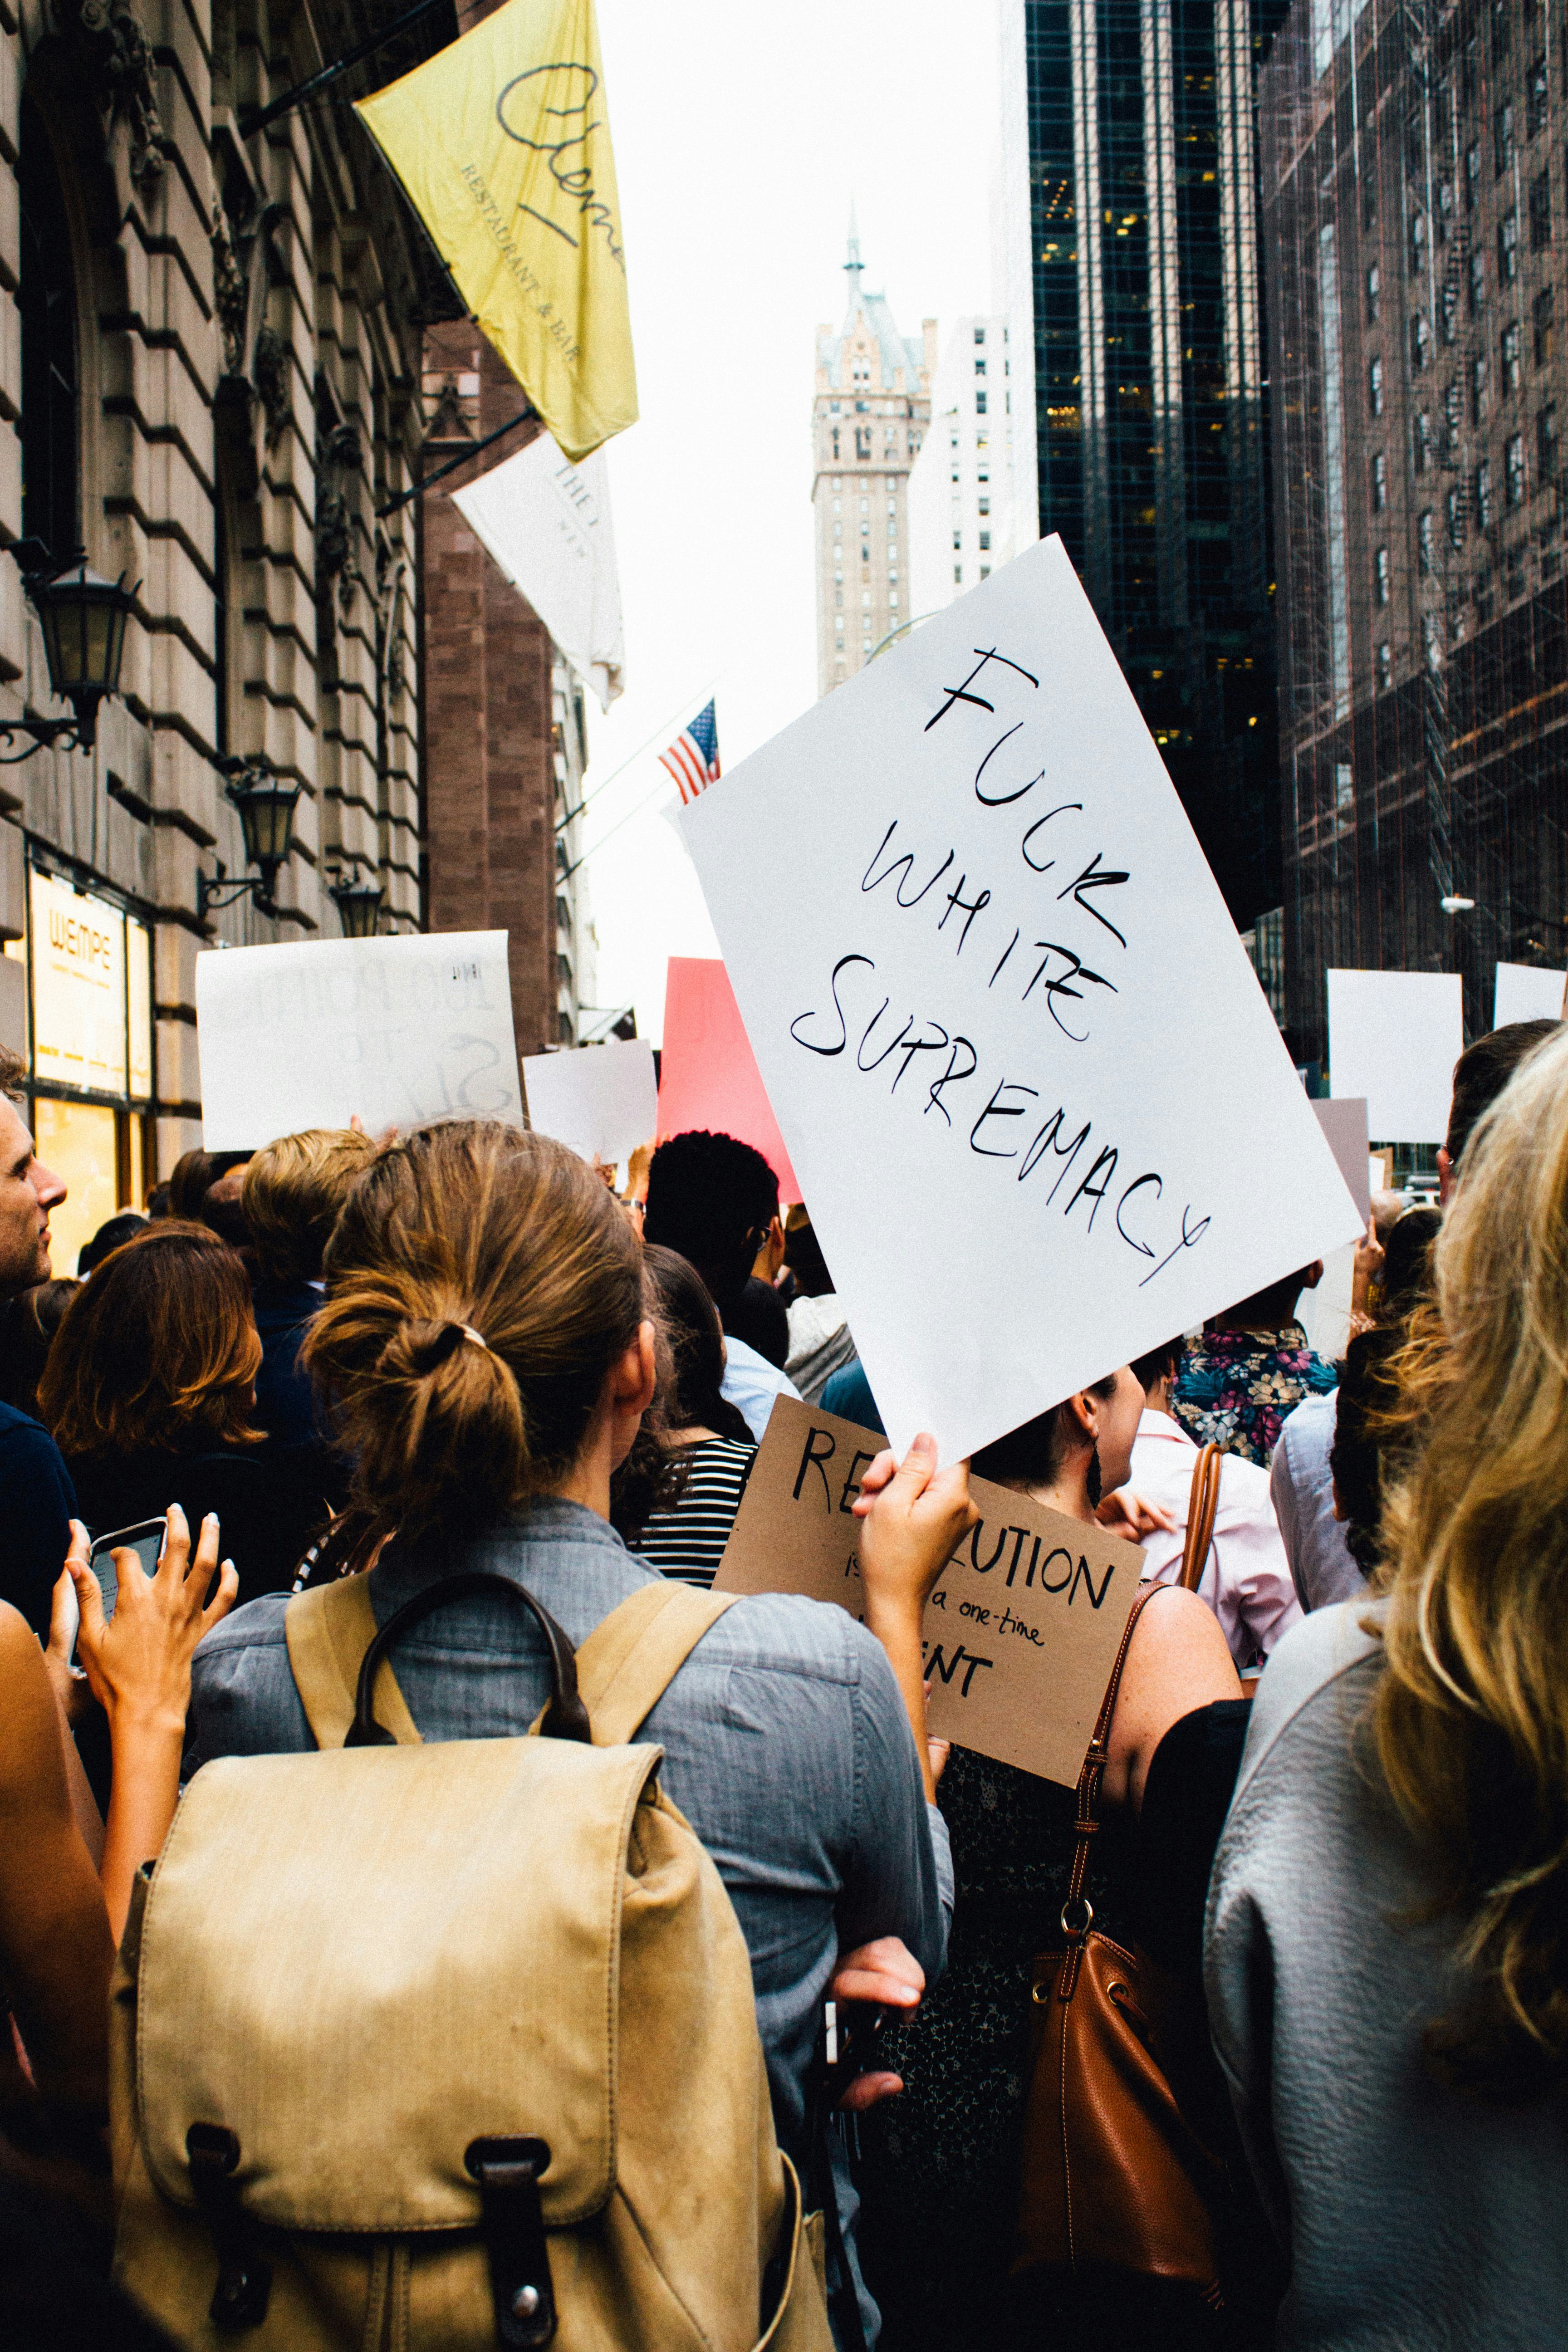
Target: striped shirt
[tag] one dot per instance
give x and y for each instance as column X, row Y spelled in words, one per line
column 687, row 1540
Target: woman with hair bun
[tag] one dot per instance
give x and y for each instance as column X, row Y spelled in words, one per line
column 485, row 1355
column 1387, row 1940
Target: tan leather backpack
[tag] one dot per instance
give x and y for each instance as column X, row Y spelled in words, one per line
column 452, row 2046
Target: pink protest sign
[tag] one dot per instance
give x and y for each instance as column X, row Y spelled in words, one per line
column 708, row 1075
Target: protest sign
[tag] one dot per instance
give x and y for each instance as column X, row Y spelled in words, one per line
column 1022, row 1628
column 600, row 1100
column 1394, row 1037
column 1344, row 1130
column 1525, row 992
column 397, row 1030
column 1013, row 1042
column 708, row 1073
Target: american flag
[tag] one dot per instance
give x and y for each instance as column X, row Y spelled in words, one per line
column 693, row 758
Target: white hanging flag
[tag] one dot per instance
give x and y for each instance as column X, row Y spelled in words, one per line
column 1041, row 1114
column 547, row 523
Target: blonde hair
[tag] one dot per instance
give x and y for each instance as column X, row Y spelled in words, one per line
column 480, row 1284
column 1471, row 1715
column 294, row 1190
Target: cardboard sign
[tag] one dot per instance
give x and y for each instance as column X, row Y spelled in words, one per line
column 1344, row 1130
column 1015, row 1046
column 1394, row 1037
column 708, row 1073
column 1524, row 992
column 399, row 1030
column 1023, row 1627
column 601, row 1101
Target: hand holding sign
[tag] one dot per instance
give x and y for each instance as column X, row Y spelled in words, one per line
column 913, row 1517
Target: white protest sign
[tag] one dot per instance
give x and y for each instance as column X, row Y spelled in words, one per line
column 547, row 523
column 1344, row 1127
column 1394, row 1037
column 1524, row 992
column 600, row 1100
column 399, row 1030
column 1010, row 1034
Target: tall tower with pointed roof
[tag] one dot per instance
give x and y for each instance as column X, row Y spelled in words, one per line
column 870, row 410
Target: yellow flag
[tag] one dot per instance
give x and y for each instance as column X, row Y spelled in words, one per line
column 504, row 144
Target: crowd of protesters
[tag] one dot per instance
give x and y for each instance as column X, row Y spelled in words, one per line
column 1322, row 1834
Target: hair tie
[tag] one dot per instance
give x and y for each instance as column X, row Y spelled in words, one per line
column 477, row 1337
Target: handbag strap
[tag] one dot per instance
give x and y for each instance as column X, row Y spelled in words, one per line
column 1088, row 1822
column 1203, row 1502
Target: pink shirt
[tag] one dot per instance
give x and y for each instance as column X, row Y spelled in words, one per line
column 1246, row 1577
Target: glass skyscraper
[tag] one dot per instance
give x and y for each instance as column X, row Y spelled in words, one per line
column 1133, row 291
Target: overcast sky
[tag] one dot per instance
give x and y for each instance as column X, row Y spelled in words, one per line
column 741, row 136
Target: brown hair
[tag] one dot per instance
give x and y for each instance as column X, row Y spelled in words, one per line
column 294, row 1189
column 1471, row 1715
column 1033, row 1454
column 159, row 1349
column 13, row 1074
column 471, row 1227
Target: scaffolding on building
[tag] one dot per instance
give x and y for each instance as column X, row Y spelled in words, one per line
column 1414, row 216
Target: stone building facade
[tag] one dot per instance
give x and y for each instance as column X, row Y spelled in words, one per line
column 506, row 737
column 960, row 485
column 869, row 415
column 210, row 379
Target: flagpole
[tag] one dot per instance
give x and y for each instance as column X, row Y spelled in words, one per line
column 428, row 481
column 251, row 123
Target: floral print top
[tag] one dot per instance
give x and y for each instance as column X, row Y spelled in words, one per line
column 1234, row 1388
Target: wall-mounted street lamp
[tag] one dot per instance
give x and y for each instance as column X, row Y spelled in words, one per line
column 358, row 899
column 1458, row 906
column 266, row 804
column 83, row 618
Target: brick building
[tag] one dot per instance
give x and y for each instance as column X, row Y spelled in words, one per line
column 210, row 354
column 505, row 733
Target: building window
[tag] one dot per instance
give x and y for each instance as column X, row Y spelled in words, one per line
column 1454, row 510
column 1424, row 540
column 985, row 541
column 1469, row 66
column 1445, row 211
column 1484, row 494
column 1373, row 289
column 1502, row 30
column 958, row 575
column 958, row 539
column 1384, row 665
column 1383, row 576
column 1542, row 322
column 1538, row 99
column 1472, row 174
column 1511, row 356
column 986, row 572
column 1477, row 282
column 984, row 505
column 1513, row 460
column 1448, row 311
column 50, row 395
column 1420, row 342
column 1546, row 442
column 1452, row 419
column 1507, row 247
column 980, row 404
column 1374, row 386
column 1502, row 138
column 1379, row 482
column 980, row 334
column 1479, row 387
column 1421, row 437
column 836, row 443
column 979, row 367
column 1417, row 242
column 1541, row 212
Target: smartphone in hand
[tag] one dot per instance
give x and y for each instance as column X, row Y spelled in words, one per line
column 145, row 1540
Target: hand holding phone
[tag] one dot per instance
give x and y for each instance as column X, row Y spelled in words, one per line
column 146, row 1539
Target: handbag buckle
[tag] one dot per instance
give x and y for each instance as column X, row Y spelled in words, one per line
column 1076, row 1935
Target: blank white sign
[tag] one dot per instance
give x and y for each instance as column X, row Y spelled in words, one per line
column 1344, row 1126
column 1394, row 1037
column 400, row 1031
column 601, row 1100
column 1525, row 993
column 1041, row 1114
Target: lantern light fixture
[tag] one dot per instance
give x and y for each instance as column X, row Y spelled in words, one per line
column 266, row 803
column 359, row 899
column 83, row 618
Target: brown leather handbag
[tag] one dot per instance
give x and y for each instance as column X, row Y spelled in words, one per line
column 1112, row 2174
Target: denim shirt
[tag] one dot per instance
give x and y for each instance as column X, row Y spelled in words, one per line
column 786, row 1746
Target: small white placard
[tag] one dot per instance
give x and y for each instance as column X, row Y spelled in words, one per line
column 600, row 1100
column 400, row 1031
column 1344, row 1127
column 1007, row 1027
column 1394, row 1037
column 1523, row 992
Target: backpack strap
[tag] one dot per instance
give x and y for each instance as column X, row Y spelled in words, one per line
column 632, row 1656
column 624, row 1668
column 328, row 1628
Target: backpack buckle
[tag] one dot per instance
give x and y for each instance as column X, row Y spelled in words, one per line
column 508, row 2171
column 243, row 2275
